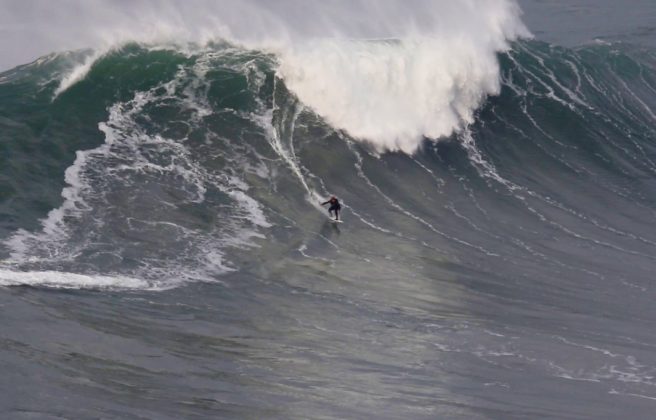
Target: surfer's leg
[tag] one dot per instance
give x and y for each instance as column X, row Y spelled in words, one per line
column 334, row 209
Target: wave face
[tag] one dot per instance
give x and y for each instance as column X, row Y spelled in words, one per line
column 507, row 238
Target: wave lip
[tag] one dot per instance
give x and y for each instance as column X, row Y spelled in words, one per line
column 427, row 83
column 394, row 93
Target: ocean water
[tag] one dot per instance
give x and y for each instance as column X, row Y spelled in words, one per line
column 165, row 256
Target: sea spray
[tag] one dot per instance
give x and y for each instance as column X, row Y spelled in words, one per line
column 392, row 94
column 388, row 74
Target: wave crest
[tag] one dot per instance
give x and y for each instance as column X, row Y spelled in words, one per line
column 395, row 93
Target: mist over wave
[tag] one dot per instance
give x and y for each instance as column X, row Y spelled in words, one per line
column 386, row 73
column 394, row 94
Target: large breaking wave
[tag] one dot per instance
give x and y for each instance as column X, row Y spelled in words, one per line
column 149, row 165
column 386, row 73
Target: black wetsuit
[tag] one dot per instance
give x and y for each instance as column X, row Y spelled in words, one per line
column 334, row 207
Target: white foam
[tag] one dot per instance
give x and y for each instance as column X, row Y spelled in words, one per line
column 426, row 83
column 251, row 207
column 55, row 279
column 129, row 158
column 54, row 228
column 78, row 72
column 393, row 94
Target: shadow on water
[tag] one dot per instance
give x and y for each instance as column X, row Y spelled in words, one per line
column 330, row 229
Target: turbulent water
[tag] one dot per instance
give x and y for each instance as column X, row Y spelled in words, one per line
column 165, row 254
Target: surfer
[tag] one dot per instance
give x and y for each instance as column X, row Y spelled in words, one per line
column 334, row 206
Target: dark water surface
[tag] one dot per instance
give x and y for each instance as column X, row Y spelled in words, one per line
column 161, row 258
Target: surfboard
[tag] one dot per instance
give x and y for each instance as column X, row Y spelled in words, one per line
column 336, row 221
